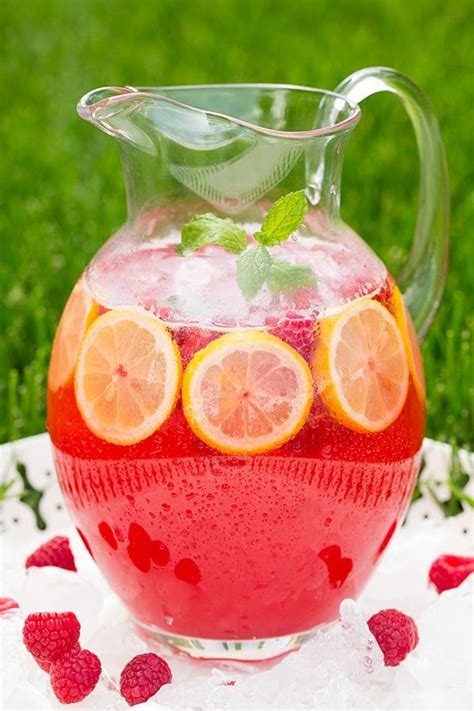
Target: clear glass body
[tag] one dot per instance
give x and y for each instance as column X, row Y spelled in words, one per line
column 236, row 524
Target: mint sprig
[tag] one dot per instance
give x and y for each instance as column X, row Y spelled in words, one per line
column 282, row 219
column 286, row 277
column 255, row 265
column 202, row 230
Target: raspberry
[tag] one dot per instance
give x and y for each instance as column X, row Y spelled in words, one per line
column 449, row 571
column 385, row 295
column 187, row 571
column 54, row 552
column 297, row 331
column 142, row 677
column 191, row 340
column 46, row 666
column 142, row 550
column 75, row 675
column 7, row 603
column 49, row 635
column 303, row 298
column 396, row 634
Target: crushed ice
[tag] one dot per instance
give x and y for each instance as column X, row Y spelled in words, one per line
column 341, row 668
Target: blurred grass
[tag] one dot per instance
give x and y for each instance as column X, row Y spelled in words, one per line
column 63, row 191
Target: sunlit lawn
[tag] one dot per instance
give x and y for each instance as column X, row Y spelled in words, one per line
column 63, row 186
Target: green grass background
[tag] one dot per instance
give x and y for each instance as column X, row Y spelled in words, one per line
column 62, row 182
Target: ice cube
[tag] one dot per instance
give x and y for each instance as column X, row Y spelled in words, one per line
column 334, row 670
column 27, row 697
column 443, row 659
column 116, row 641
column 154, row 704
column 10, row 580
column 18, row 668
column 184, row 695
column 53, row 589
column 13, row 652
column 366, row 653
column 401, row 580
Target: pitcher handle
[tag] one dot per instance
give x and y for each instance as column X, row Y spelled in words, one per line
column 422, row 279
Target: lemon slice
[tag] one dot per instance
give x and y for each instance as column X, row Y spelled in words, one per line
column 410, row 340
column 360, row 366
column 247, row 392
column 78, row 314
column 127, row 376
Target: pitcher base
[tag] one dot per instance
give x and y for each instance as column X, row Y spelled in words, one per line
column 245, row 650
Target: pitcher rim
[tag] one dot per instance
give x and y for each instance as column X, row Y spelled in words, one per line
column 118, row 95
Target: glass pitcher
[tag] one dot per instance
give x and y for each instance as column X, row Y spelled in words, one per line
column 236, row 397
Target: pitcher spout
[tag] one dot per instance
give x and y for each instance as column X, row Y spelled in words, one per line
column 114, row 110
column 231, row 146
column 103, row 96
column 142, row 116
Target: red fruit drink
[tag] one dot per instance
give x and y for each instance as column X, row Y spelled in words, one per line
column 211, row 548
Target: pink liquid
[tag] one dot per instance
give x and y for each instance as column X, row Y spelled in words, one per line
column 204, row 544
column 228, row 549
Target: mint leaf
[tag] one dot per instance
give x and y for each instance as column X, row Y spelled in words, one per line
column 202, row 230
column 253, row 267
column 282, row 219
column 287, row 277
